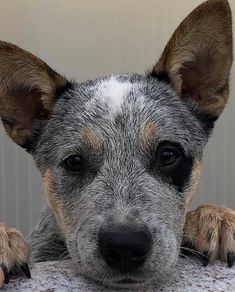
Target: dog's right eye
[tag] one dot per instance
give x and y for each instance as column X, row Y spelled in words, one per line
column 73, row 163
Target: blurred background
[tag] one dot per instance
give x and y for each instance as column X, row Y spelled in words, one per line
column 88, row 39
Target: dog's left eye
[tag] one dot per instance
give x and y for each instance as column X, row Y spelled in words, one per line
column 171, row 162
column 73, row 163
column 167, row 156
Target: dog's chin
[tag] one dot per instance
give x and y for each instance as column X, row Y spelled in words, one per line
column 120, row 281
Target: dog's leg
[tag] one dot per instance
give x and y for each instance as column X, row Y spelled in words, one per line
column 14, row 253
column 46, row 240
column 210, row 231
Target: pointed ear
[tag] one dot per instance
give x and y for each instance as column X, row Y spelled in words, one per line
column 27, row 91
column 198, row 58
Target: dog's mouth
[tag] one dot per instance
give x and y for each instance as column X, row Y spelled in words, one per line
column 128, row 283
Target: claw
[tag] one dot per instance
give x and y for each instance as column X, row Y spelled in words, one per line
column 185, row 252
column 6, row 275
column 25, row 269
column 230, row 259
column 188, row 250
column 1, row 277
column 205, row 258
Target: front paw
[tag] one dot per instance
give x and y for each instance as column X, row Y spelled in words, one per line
column 209, row 233
column 14, row 253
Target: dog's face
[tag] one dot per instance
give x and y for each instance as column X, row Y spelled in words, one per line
column 120, row 156
column 121, row 152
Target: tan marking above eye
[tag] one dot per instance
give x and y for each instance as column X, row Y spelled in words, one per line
column 148, row 134
column 91, row 137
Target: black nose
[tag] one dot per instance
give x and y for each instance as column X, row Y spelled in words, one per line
column 125, row 248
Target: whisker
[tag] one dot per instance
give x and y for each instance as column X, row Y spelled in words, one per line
column 188, row 258
column 64, row 255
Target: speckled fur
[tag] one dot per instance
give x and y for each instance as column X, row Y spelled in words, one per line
column 103, row 120
column 122, row 190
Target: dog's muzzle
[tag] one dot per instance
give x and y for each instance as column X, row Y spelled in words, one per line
column 125, row 248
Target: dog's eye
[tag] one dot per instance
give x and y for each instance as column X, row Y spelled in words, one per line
column 171, row 163
column 73, row 163
column 167, row 156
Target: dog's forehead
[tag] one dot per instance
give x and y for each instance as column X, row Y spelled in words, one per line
column 120, row 95
column 114, row 94
column 130, row 102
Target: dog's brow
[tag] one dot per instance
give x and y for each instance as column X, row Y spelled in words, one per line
column 148, row 134
column 90, row 137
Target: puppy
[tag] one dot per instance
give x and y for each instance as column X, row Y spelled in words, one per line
column 120, row 157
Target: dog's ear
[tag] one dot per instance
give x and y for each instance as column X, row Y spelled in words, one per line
column 27, row 91
column 198, row 58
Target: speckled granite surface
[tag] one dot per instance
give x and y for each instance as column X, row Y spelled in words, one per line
column 189, row 276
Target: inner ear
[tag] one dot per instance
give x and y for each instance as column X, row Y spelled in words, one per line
column 28, row 89
column 32, row 99
column 25, row 109
column 193, row 77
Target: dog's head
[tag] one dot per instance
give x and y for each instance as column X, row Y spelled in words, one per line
column 120, row 156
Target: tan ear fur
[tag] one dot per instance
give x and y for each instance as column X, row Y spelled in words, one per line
column 27, row 90
column 198, row 57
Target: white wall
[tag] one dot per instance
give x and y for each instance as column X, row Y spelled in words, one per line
column 86, row 39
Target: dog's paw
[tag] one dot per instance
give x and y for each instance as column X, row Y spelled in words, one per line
column 209, row 233
column 14, row 254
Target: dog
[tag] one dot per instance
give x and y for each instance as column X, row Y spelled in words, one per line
column 120, row 157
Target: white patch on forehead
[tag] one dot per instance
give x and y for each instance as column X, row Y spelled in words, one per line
column 112, row 92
